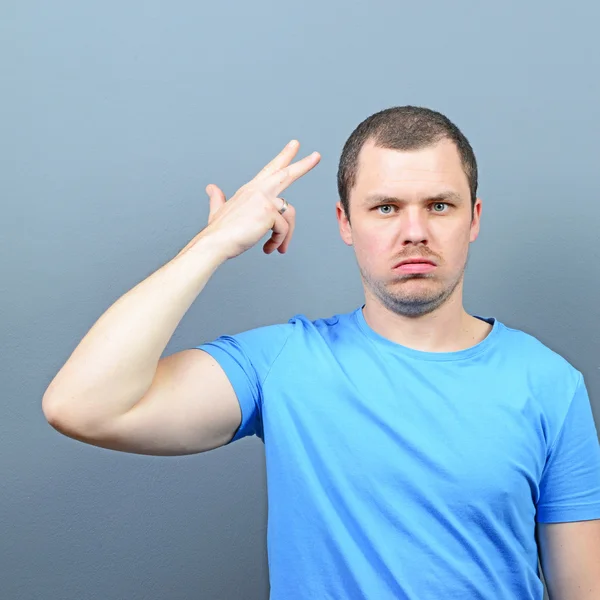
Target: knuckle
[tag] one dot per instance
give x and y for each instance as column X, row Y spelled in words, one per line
column 261, row 199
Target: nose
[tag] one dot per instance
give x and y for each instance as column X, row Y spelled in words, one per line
column 414, row 225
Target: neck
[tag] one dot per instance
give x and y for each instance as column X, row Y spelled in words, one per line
column 448, row 329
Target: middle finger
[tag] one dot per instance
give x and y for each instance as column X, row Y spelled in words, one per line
column 283, row 159
column 280, row 180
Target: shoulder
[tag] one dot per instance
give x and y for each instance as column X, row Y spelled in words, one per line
column 548, row 372
column 263, row 343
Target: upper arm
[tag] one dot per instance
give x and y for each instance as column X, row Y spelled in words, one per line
column 200, row 398
column 569, row 487
column 570, row 559
column 190, row 407
column 568, row 510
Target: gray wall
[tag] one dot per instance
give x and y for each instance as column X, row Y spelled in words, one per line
column 115, row 115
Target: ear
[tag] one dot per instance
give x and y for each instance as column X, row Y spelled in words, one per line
column 475, row 221
column 344, row 224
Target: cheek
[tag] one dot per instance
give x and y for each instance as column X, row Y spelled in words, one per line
column 456, row 252
column 372, row 250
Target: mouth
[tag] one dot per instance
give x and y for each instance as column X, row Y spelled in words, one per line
column 415, row 267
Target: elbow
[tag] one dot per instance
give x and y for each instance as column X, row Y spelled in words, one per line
column 54, row 413
column 50, row 409
column 63, row 419
column 70, row 420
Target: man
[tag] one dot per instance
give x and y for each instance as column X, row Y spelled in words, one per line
column 413, row 450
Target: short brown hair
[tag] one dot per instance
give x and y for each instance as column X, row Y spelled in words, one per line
column 403, row 128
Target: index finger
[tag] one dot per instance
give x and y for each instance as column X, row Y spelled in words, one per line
column 278, row 181
column 283, row 159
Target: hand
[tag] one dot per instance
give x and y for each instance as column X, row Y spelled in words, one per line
column 240, row 222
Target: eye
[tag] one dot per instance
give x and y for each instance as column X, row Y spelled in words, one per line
column 440, row 204
column 391, row 206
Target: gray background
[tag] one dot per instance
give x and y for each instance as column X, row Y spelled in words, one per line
column 115, row 115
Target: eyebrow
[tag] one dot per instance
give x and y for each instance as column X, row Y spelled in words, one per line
column 440, row 197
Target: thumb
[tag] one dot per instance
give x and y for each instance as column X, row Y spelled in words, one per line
column 216, row 199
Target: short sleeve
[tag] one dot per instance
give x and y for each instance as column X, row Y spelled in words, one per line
column 570, row 482
column 247, row 358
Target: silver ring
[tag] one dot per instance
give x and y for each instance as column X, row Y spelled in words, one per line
column 284, row 207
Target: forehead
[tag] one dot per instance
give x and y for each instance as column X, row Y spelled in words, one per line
column 412, row 172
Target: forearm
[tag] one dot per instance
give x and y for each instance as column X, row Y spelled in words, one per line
column 114, row 364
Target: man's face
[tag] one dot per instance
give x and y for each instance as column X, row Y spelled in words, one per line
column 395, row 215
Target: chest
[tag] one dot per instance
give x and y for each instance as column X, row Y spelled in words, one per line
column 436, row 433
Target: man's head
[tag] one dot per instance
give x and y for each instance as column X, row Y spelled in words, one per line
column 407, row 182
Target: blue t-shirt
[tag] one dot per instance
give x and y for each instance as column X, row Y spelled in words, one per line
column 394, row 473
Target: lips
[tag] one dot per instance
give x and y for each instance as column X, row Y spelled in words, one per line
column 416, row 261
